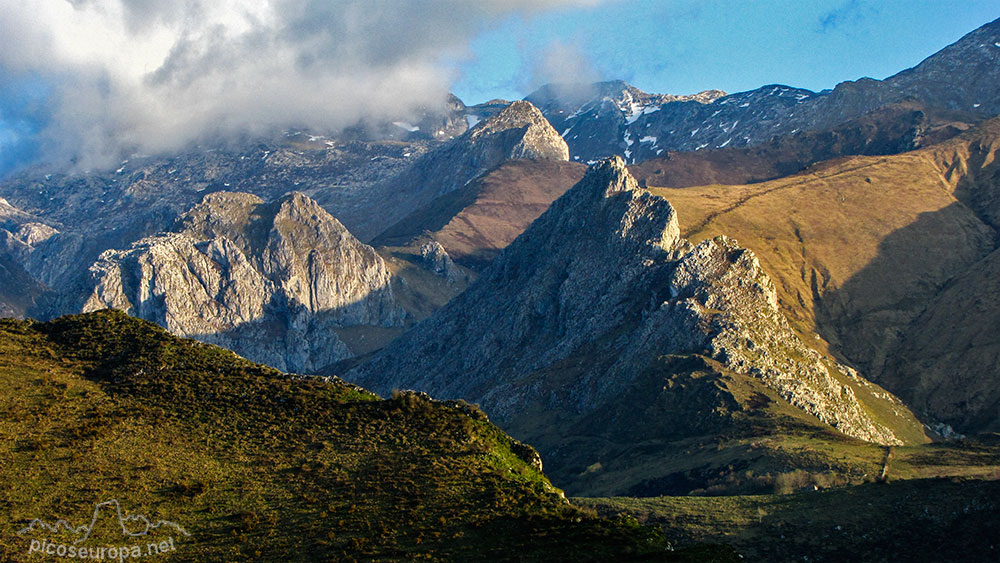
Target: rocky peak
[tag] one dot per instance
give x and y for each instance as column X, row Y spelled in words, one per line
column 519, row 131
column 523, row 132
column 612, row 173
column 642, row 218
column 219, row 214
column 703, row 97
column 273, row 281
column 518, row 113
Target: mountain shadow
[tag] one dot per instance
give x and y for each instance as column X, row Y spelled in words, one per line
column 922, row 335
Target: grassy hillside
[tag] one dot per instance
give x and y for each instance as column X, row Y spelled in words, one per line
column 259, row 465
column 816, row 232
column 928, row 520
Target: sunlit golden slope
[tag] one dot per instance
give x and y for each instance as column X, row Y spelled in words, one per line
column 859, row 247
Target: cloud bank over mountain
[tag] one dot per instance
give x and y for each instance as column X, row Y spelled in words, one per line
column 122, row 76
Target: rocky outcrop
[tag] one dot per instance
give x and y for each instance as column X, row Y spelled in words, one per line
column 591, row 294
column 721, row 289
column 436, row 259
column 272, row 281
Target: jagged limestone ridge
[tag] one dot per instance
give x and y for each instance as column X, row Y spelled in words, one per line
column 721, row 287
column 604, row 275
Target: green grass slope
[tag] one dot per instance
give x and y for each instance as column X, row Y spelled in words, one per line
column 941, row 520
column 259, row 465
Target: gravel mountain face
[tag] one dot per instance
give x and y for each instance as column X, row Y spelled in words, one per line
column 599, row 120
column 271, row 281
column 591, row 294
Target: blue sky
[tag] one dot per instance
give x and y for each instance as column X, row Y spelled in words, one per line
column 685, row 46
column 85, row 84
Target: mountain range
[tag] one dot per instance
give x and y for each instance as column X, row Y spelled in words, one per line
column 665, row 295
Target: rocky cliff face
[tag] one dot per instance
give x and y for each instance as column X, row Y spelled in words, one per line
column 271, row 281
column 591, row 294
column 110, row 209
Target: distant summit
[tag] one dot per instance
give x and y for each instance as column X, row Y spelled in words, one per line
column 608, row 118
column 518, row 131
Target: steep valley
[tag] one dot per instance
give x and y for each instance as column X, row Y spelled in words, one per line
column 570, row 335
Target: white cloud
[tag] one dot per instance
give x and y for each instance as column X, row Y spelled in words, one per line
column 149, row 75
column 563, row 63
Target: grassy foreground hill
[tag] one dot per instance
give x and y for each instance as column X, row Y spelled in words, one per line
column 255, row 464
